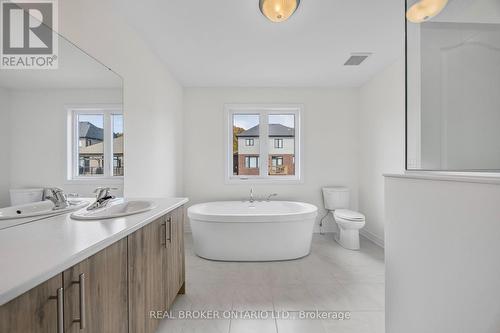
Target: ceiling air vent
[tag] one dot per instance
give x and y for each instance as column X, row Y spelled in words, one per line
column 356, row 59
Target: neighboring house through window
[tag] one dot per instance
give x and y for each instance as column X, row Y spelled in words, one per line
column 95, row 142
column 265, row 142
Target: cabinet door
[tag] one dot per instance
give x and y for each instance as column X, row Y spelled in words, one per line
column 95, row 298
column 175, row 254
column 181, row 254
column 35, row 310
column 147, row 289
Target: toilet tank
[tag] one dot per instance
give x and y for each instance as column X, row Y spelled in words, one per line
column 25, row 195
column 336, row 197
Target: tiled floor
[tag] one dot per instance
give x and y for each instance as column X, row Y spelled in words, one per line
column 329, row 279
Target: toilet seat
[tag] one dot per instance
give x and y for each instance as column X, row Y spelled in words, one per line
column 349, row 222
column 349, row 215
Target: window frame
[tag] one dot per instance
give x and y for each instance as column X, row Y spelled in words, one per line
column 263, row 110
column 277, row 159
column 278, row 143
column 249, row 142
column 107, row 110
column 248, row 163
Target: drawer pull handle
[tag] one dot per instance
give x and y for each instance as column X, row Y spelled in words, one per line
column 169, row 238
column 81, row 284
column 163, row 238
column 60, row 309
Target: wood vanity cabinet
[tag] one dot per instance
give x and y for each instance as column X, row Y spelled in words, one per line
column 35, row 311
column 146, row 287
column 156, row 269
column 175, row 256
column 96, row 292
column 113, row 291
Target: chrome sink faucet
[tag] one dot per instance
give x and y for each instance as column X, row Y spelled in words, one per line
column 57, row 196
column 251, row 195
column 103, row 197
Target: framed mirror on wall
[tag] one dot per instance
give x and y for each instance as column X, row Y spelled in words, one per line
column 61, row 127
column 452, row 89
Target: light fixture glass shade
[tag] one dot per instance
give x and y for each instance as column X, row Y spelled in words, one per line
column 278, row 10
column 425, row 10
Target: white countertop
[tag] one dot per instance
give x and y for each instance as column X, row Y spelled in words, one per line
column 34, row 252
column 464, row 177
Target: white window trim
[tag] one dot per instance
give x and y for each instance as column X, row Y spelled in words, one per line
column 264, row 110
column 73, row 139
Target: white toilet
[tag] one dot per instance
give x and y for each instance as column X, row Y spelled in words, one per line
column 349, row 222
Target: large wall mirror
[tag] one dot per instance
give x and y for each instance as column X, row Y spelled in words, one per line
column 453, row 89
column 61, row 127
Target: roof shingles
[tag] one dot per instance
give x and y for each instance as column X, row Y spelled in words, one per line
column 275, row 130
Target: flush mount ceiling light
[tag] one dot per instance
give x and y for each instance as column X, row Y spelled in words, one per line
column 278, row 10
column 424, row 10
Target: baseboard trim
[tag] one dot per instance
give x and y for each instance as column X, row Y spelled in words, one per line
column 372, row 237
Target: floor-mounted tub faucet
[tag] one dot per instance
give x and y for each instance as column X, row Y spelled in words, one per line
column 271, row 195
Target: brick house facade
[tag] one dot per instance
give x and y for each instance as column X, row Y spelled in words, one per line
column 281, row 159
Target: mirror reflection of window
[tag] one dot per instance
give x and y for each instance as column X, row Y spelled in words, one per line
column 49, row 150
column 91, row 144
column 118, row 165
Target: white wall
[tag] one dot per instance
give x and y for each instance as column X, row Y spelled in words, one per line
column 38, row 144
column 4, row 147
column 330, row 134
column 442, row 245
column 382, row 136
column 152, row 96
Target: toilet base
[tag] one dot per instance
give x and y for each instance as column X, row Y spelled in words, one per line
column 348, row 238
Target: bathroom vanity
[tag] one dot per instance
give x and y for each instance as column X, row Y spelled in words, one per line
column 62, row 275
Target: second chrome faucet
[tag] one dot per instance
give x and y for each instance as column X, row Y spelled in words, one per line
column 103, row 197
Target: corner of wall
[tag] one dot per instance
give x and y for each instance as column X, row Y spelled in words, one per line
column 381, row 143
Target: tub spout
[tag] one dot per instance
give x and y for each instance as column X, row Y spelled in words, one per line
column 271, row 195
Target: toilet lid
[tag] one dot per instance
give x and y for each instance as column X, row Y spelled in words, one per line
column 349, row 215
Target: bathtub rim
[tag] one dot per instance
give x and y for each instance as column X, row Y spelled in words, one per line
column 310, row 212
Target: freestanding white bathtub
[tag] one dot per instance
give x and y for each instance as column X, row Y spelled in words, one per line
column 258, row 231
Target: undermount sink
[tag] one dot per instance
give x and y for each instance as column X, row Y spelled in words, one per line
column 115, row 208
column 38, row 209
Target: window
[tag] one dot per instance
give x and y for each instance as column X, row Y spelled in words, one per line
column 277, row 161
column 278, row 143
column 95, row 143
column 251, row 162
column 263, row 143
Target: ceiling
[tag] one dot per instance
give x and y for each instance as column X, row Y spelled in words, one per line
column 229, row 42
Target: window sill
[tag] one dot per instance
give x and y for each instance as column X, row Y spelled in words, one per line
column 95, row 180
column 257, row 180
